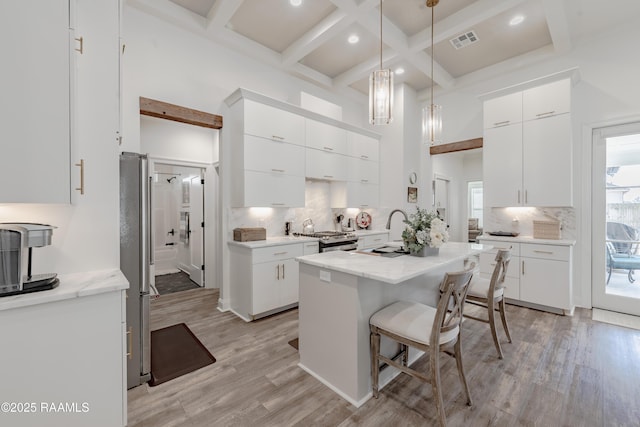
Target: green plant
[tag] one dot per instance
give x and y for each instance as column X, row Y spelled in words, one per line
column 424, row 228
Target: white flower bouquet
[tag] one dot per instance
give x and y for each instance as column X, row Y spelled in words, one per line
column 424, row 229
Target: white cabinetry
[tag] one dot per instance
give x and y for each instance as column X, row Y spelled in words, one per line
column 264, row 280
column 324, row 165
column 360, row 188
column 373, row 240
column 323, row 136
column 58, row 353
column 527, row 161
column 362, row 147
column 268, row 156
column 539, row 275
column 37, row 84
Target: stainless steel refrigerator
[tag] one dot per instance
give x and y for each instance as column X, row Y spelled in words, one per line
column 136, row 258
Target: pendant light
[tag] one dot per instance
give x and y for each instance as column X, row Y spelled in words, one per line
column 432, row 114
column 381, row 91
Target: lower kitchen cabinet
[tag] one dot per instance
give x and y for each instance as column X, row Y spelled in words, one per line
column 264, row 280
column 372, row 240
column 539, row 275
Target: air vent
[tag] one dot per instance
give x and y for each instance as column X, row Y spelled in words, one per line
column 464, row 40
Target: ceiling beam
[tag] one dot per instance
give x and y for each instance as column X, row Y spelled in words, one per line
column 176, row 113
column 453, row 147
column 221, row 13
column 558, row 26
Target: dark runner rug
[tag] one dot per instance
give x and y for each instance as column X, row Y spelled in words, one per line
column 176, row 351
column 294, row 343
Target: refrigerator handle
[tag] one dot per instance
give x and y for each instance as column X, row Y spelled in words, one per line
column 152, row 243
column 145, row 227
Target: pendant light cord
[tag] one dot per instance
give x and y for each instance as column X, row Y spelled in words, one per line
column 432, row 80
column 381, row 34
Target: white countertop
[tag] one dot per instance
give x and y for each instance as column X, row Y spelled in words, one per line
column 391, row 270
column 527, row 239
column 273, row 241
column 75, row 285
column 361, row 233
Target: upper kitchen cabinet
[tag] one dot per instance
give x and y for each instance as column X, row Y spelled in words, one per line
column 362, row 146
column 325, row 137
column 503, row 111
column 528, row 162
column 37, row 40
column 273, row 123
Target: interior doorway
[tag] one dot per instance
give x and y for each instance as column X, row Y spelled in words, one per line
column 616, row 219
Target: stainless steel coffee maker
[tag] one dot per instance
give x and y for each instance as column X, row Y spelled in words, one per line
column 17, row 241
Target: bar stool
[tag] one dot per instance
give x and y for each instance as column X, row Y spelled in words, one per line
column 489, row 293
column 429, row 329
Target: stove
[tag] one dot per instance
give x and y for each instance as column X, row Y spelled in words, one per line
column 334, row 240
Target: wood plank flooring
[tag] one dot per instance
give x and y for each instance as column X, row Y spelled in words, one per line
column 559, row 371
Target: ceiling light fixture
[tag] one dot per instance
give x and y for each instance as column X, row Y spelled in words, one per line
column 399, row 70
column 516, row 20
column 432, row 114
column 295, row 2
column 353, row 39
column 381, row 91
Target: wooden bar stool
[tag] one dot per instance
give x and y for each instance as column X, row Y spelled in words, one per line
column 429, row 329
column 489, row 293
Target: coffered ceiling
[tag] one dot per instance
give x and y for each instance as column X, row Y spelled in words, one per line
column 311, row 40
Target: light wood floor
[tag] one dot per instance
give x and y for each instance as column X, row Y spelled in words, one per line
column 559, row 371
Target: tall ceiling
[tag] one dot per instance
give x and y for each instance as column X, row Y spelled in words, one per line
column 311, row 40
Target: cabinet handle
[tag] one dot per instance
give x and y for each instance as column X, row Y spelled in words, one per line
column 277, row 204
column 281, row 138
column 277, row 170
column 364, row 180
column 364, row 157
column 282, row 271
column 545, row 114
column 328, row 176
column 130, row 343
column 364, row 206
column 544, row 252
column 328, row 148
column 81, row 41
column 518, row 196
column 81, row 166
column 506, row 122
column 523, row 267
column 376, row 240
column 526, row 196
column 278, row 272
column 280, row 253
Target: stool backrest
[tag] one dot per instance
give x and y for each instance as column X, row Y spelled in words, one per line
column 500, row 271
column 453, row 292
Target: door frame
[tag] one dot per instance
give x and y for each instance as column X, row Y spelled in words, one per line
column 599, row 296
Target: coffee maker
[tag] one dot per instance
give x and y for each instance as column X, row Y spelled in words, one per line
column 17, row 241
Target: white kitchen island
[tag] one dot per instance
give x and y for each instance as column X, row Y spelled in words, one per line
column 339, row 291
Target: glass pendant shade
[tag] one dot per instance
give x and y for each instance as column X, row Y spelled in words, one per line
column 381, row 97
column 432, row 124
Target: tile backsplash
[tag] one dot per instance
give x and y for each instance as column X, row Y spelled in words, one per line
column 521, row 220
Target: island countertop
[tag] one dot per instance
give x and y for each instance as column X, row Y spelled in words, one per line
column 391, row 270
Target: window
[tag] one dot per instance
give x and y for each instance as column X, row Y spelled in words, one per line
column 475, row 201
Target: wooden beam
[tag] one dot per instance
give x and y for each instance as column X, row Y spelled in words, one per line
column 164, row 110
column 452, row 147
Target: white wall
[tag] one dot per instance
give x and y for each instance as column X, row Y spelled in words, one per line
column 606, row 93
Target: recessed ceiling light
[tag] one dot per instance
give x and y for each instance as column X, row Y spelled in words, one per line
column 516, row 20
column 399, row 70
column 295, row 2
column 353, row 39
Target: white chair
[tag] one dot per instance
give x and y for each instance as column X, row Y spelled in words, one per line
column 429, row 329
column 489, row 293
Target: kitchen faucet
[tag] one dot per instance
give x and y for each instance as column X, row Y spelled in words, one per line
column 391, row 214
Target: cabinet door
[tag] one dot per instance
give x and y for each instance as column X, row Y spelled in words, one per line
column 502, row 111
column 546, row 282
column 502, row 166
column 326, row 165
column 362, row 147
column 547, row 162
column 266, row 286
column 36, row 42
column 272, row 123
column 272, row 190
column 266, row 155
column 288, row 283
column 326, row 137
column 364, row 171
column 547, row 100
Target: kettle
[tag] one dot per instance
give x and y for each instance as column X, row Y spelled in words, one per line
column 307, row 226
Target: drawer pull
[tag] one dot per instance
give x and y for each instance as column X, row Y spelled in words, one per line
column 277, row 170
column 543, row 252
column 328, row 176
column 545, row 114
column 376, row 240
column 277, row 204
column 506, row 122
column 280, row 253
column 281, row 138
column 364, row 157
column 328, row 148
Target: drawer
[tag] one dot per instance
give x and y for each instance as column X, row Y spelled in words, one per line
column 309, row 248
column 488, row 264
column 553, row 252
column 274, row 253
column 498, row 245
column 373, row 241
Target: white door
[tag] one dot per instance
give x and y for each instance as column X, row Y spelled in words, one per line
column 616, row 218
column 196, row 238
